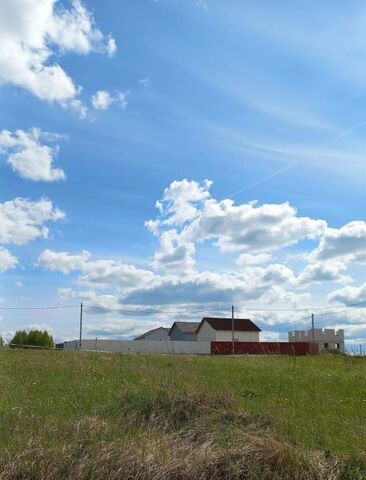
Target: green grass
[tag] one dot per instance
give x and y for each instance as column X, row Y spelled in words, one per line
column 314, row 407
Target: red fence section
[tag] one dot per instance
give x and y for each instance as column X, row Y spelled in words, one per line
column 265, row 348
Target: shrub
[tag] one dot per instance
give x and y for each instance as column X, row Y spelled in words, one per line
column 32, row 338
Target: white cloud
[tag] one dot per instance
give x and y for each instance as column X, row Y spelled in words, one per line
column 247, row 259
column 94, row 303
column 269, row 336
column 28, row 156
column 125, row 328
column 102, row 99
column 111, row 47
column 323, row 272
column 349, row 295
column 145, row 82
column 22, row 220
column 97, row 273
column 347, row 244
column 188, row 215
column 251, row 228
column 62, row 261
column 32, row 32
column 181, row 200
column 248, row 228
column 7, row 260
column 134, row 286
column 174, row 254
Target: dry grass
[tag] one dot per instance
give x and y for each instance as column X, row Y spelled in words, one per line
column 175, row 456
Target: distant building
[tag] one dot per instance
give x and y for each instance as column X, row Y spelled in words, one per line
column 220, row 330
column 183, row 331
column 158, row 334
column 328, row 339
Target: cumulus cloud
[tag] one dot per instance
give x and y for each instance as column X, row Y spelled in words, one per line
column 181, row 201
column 173, row 253
column 188, row 214
column 347, row 244
column 33, row 32
column 116, row 328
column 94, row 303
column 134, row 286
column 324, row 272
column 349, row 294
column 102, row 100
column 30, row 158
column 23, row 220
column 7, row 260
column 250, row 228
column 62, row 261
column 248, row 259
column 98, row 273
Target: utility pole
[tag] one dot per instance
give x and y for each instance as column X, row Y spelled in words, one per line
column 312, row 328
column 232, row 330
column 81, row 324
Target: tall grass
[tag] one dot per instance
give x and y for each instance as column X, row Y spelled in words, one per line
column 103, row 416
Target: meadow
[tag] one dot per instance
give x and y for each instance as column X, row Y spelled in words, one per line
column 107, row 416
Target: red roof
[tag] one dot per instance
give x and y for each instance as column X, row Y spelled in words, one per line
column 240, row 324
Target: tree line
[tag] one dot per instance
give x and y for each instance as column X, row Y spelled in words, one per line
column 34, row 338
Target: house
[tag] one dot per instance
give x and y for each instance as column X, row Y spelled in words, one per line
column 159, row 334
column 183, row 331
column 221, row 330
column 327, row 339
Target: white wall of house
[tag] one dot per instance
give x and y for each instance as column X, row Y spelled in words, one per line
column 226, row 336
column 208, row 334
column 146, row 346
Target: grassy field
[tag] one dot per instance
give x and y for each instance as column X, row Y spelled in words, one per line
column 100, row 416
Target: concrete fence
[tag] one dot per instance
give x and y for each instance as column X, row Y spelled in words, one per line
column 141, row 346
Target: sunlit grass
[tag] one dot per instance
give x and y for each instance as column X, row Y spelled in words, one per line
column 316, row 403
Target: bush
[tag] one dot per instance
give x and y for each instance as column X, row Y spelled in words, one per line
column 35, row 338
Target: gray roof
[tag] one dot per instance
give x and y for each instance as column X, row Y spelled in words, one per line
column 140, row 337
column 185, row 327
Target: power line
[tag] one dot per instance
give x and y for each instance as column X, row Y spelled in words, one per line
column 341, row 311
column 349, row 307
column 53, row 307
column 357, row 305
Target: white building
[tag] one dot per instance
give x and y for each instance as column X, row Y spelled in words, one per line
column 328, row 339
column 220, row 330
column 158, row 334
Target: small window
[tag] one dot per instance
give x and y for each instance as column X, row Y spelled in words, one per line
column 338, row 346
column 326, row 345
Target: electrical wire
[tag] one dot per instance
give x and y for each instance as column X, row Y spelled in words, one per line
column 349, row 307
column 53, row 307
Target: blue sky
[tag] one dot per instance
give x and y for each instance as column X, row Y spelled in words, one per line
column 145, row 101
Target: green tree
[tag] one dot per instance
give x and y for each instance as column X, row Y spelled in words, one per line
column 20, row 338
column 32, row 338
